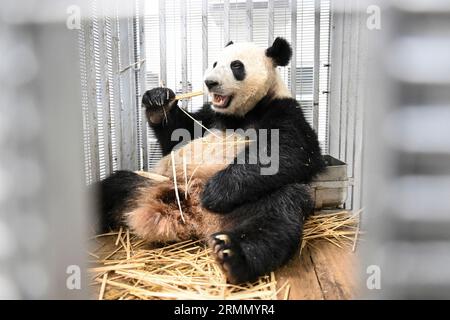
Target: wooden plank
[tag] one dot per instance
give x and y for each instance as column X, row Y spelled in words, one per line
column 301, row 275
column 336, row 270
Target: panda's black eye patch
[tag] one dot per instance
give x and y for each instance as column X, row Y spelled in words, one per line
column 214, row 64
column 238, row 70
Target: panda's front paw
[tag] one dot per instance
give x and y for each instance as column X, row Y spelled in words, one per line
column 158, row 102
column 228, row 253
column 157, row 97
column 217, row 196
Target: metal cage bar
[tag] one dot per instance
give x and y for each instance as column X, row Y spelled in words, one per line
column 293, row 81
column 226, row 21
column 205, row 41
column 316, row 67
column 271, row 18
column 249, row 19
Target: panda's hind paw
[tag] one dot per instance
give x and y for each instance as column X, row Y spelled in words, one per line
column 230, row 257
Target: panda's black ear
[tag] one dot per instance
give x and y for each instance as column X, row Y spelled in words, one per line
column 229, row 44
column 280, row 52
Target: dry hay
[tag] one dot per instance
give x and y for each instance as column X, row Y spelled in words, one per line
column 126, row 268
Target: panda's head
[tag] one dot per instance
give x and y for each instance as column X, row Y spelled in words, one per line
column 244, row 73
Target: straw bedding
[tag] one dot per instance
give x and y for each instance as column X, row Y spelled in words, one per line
column 125, row 267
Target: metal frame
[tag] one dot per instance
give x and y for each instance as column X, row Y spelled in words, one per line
column 271, row 16
column 249, row 19
column 129, row 155
column 140, row 64
column 346, row 107
column 294, row 47
column 316, row 68
column 162, row 42
column 226, row 21
column 91, row 115
column 184, row 53
column 205, row 41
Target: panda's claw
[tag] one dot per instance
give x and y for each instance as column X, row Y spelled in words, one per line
column 227, row 253
column 223, row 237
column 230, row 257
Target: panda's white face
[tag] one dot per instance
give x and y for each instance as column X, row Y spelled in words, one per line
column 240, row 77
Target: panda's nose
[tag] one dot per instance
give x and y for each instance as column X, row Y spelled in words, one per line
column 211, row 84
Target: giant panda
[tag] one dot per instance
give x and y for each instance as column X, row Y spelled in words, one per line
column 252, row 221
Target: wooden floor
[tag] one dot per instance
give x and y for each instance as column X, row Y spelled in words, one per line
column 323, row 271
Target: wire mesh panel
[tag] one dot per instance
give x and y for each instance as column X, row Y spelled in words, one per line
column 112, row 57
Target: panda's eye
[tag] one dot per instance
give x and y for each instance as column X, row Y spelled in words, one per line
column 236, row 65
column 214, row 64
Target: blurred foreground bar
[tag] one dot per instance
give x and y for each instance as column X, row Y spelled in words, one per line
column 407, row 172
column 43, row 210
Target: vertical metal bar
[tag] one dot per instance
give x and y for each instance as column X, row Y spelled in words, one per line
column 345, row 75
column 294, row 47
column 205, row 41
column 271, row 16
column 102, row 90
column 91, row 100
column 140, row 79
column 226, row 20
column 112, row 93
column 352, row 102
column 127, row 74
column 316, row 68
column 184, row 57
column 362, row 79
column 326, row 66
column 336, row 58
column 249, row 19
column 116, row 84
column 162, row 43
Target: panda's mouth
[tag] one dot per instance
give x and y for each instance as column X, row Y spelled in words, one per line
column 220, row 101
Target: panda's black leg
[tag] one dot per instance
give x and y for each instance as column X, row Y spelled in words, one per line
column 261, row 236
column 116, row 195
